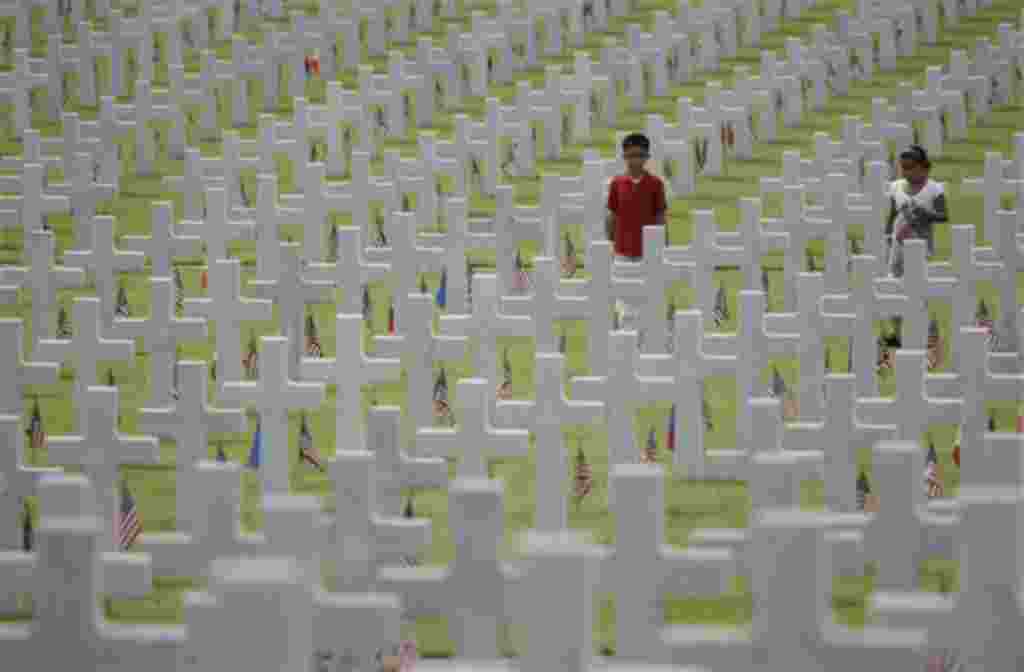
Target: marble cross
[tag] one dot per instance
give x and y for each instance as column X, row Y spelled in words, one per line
column 228, row 310
column 16, row 371
column 164, row 243
column 100, row 450
column 87, row 346
column 68, row 575
column 274, row 395
column 161, row 331
column 475, row 434
column 350, row 370
column 104, row 261
column 545, row 417
column 189, row 421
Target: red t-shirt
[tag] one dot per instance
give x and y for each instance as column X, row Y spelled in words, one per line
column 636, row 205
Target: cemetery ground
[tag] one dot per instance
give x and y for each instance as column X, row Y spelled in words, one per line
column 690, row 504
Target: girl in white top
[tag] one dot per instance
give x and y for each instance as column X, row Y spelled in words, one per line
column 917, row 203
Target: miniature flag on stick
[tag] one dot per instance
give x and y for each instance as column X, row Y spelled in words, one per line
column 313, row 347
column 983, row 319
column 174, row 377
column 179, row 291
column 221, row 455
column 956, row 444
column 933, row 474
column 129, row 525
column 36, row 432
column 781, row 392
column 367, row 304
column 863, row 490
column 122, row 309
column 251, row 362
column 442, row 409
column 520, row 281
column 332, row 243
column 27, row 531
column 935, row 346
column 650, row 454
column 307, row 453
column 391, row 318
column 720, row 312
column 570, row 262
column 423, row 285
column 63, row 323
column 705, row 409
column 505, row 388
column 583, row 481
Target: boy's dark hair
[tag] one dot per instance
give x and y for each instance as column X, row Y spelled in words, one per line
column 917, row 154
column 636, row 140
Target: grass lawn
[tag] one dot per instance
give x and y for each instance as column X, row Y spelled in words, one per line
column 689, row 504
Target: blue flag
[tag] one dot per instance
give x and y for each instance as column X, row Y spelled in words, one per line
column 255, row 452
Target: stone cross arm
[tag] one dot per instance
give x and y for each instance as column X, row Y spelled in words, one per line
column 690, row 572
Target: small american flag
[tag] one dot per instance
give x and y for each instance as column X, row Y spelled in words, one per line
column 251, row 361
column 650, row 454
column 27, row 531
column 705, row 409
column 332, row 243
column 128, row 525
column 505, row 388
column 944, row 661
column 812, row 267
column 984, row 320
column 407, row 656
column 380, row 238
column 307, row 453
column 584, row 478
column 720, row 312
column 313, row 347
column 935, row 349
column 863, row 490
column 780, row 391
column 175, row 394
column 63, row 323
column 36, row 432
column 367, row 304
column 122, row 309
column 520, row 280
column 469, row 283
column 442, row 410
column 179, row 291
column 570, row 262
column 391, row 319
column 933, row 474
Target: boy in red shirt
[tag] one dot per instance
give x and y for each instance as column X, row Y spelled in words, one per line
column 635, row 199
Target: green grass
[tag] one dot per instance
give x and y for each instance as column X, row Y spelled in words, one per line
column 689, row 504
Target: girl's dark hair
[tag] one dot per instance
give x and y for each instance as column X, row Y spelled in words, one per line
column 636, row 140
column 917, row 154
